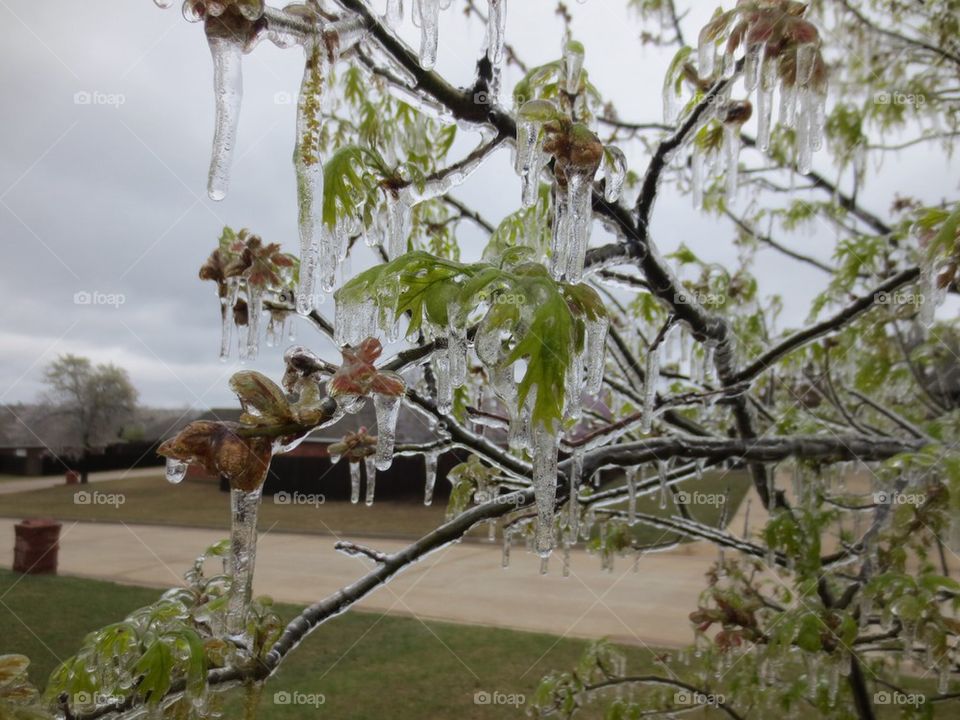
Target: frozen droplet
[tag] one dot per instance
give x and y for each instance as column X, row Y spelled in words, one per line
column 228, row 94
column 614, row 173
column 394, row 12
column 176, row 470
column 354, row 482
column 164, row 4
column 430, row 472
column 388, row 409
column 544, row 485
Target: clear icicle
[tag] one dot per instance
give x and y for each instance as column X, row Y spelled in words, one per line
column 243, row 549
column 355, row 482
column 176, row 470
column 731, row 147
column 664, row 483
column 751, row 66
column 566, row 560
column 697, row 169
column 496, row 28
column 545, row 486
column 631, row 473
column 388, row 409
column 530, row 157
column 573, row 54
column 430, row 471
column 768, row 80
column 580, row 201
column 429, row 32
column 309, row 171
column 614, row 173
column 650, row 389
column 228, row 93
column 457, row 352
column 226, row 326
column 441, row 373
column 371, row 465
column 507, row 542
column 806, row 61
column 596, row 341
column 573, row 506
column 573, row 390
column 254, row 316
column 394, row 13
column 560, row 245
column 706, row 52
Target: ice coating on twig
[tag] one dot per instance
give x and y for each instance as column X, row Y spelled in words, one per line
column 388, row 409
column 227, row 52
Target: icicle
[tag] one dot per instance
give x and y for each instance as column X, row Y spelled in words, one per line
column 806, row 62
column 765, row 105
column 254, row 315
column 176, row 471
column 429, row 32
column 631, row 495
column 573, row 390
column 226, row 316
column 394, row 13
column 496, row 27
column 706, row 52
column 573, row 53
column 398, row 221
column 731, row 146
column 370, row 465
column 530, row 157
column 751, row 66
column 580, row 200
column 566, row 560
column 664, row 483
column 696, row 182
column 545, row 486
column 650, row 389
column 544, row 564
column 518, row 435
column 388, row 409
column 440, row 362
column 309, row 171
column 507, row 540
column 595, row 352
column 243, row 549
column 614, row 173
column 573, row 505
column 788, row 104
column 492, row 530
column 430, row 471
column 354, row 482
column 457, row 353
column 227, row 52
column 560, row 244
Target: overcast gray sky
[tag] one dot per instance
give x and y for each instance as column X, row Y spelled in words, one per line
column 108, row 196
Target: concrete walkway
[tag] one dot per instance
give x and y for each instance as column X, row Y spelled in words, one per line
column 462, row 583
column 8, row 487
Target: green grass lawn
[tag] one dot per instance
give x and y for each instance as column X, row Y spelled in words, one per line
column 366, row 666
column 152, row 500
